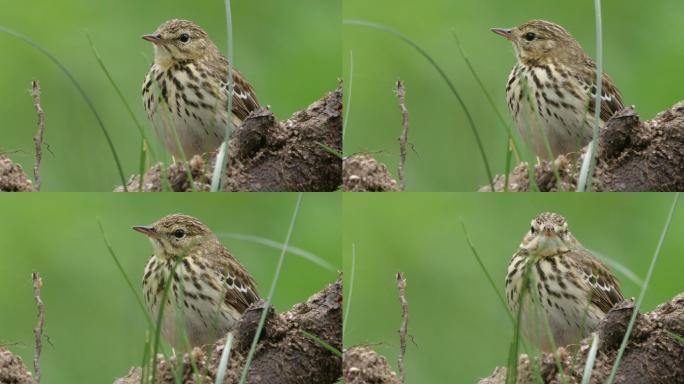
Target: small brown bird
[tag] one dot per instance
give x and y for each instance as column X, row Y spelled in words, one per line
column 551, row 90
column 210, row 289
column 568, row 287
column 185, row 92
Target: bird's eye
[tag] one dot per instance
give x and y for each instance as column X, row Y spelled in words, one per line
column 179, row 233
column 184, row 38
column 532, row 230
column 529, row 36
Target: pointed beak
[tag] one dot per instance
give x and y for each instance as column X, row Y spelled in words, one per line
column 548, row 232
column 156, row 39
column 507, row 33
column 146, row 230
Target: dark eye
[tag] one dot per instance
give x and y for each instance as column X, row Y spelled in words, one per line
column 184, row 37
column 532, row 230
column 529, row 36
column 179, row 233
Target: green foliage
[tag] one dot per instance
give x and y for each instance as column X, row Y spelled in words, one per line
column 642, row 292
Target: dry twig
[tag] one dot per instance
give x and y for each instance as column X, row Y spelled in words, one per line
column 38, row 331
column 401, row 284
column 403, row 139
column 38, row 139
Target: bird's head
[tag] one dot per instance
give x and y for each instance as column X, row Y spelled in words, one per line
column 539, row 41
column 176, row 235
column 548, row 235
column 176, row 40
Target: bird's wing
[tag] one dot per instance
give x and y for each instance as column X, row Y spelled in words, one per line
column 240, row 292
column 244, row 97
column 238, row 285
column 605, row 288
column 611, row 99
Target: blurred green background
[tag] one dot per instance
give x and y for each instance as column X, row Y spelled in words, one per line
column 460, row 328
column 93, row 322
column 289, row 51
column 642, row 53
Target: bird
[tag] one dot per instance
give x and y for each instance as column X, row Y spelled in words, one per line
column 209, row 291
column 551, row 91
column 185, row 92
column 567, row 290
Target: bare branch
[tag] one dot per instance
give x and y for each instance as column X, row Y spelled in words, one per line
column 38, row 331
column 403, row 139
column 401, row 284
column 38, row 139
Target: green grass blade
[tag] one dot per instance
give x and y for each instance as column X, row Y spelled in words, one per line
column 134, row 290
column 348, row 297
column 89, row 102
column 583, row 325
column 223, row 364
column 507, row 167
column 219, row 167
column 166, row 283
column 484, row 269
column 587, row 168
column 509, row 132
column 145, row 359
column 322, row 343
column 142, row 165
column 277, row 245
column 128, row 109
column 170, row 126
column 183, row 329
column 347, row 105
column 589, row 367
column 492, row 104
column 217, row 315
column 139, row 126
column 536, row 298
column 675, row 336
column 621, row 268
column 512, row 367
column 642, row 293
column 221, row 157
column 534, row 110
column 269, row 298
column 441, row 72
column 331, row 150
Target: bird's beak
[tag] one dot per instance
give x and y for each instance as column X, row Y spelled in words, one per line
column 146, row 230
column 156, row 39
column 507, row 33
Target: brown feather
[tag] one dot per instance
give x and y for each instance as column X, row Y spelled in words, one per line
column 605, row 288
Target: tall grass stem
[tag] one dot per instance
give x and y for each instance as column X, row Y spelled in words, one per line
column 271, row 291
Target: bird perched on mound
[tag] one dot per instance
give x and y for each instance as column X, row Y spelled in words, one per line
column 209, row 289
column 564, row 285
column 551, row 90
column 185, row 92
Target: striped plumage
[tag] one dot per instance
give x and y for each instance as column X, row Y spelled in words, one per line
column 568, row 286
column 209, row 287
column 186, row 89
column 551, row 90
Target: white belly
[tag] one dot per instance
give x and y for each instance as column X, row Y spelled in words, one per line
column 191, row 117
column 542, row 114
column 549, row 317
column 188, row 312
